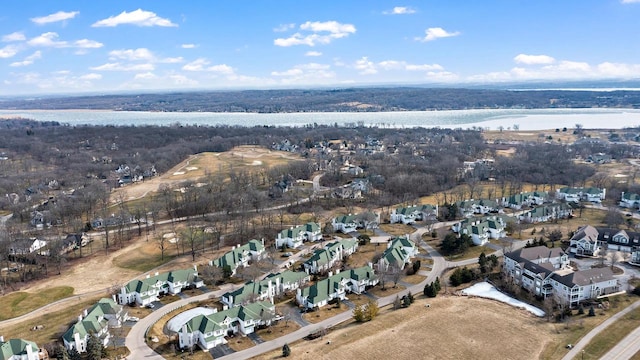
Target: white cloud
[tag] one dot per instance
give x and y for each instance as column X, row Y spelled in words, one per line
column 630, row 1
column 116, row 66
column 90, row 76
column 48, row 39
column 284, row 27
column 399, row 10
column 173, row 60
column 137, row 17
column 189, row 46
column 182, row 80
column 313, row 53
column 534, row 59
column 202, row 64
column 28, row 60
column 366, row 67
column 59, row 16
column 15, row 36
column 132, row 54
column 8, row 51
column 437, row 33
column 321, row 33
column 87, row 44
column 145, row 76
column 311, row 73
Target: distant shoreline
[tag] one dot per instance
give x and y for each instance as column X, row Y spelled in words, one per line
column 485, row 119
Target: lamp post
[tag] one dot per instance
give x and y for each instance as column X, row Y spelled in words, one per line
column 582, row 354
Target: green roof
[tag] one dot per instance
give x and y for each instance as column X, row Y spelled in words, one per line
column 321, row 290
column 144, row 285
column 209, row 323
column 233, row 257
column 16, row 347
column 293, row 233
column 345, row 219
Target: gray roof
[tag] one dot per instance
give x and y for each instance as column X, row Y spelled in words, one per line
column 585, row 277
column 533, row 253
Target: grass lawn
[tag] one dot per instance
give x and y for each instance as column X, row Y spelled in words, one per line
column 397, row 229
column 277, row 330
column 239, row 343
column 324, row 312
column 364, row 255
column 20, row 303
column 580, row 326
column 54, row 323
column 389, row 289
column 615, row 332
column 147, row 257
column 413, row 279
column 471, row 253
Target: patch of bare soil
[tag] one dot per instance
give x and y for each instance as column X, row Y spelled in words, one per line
column 451, row 328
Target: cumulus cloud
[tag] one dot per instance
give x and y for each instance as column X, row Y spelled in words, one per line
column 59, row 16
column 533, row 59
column 316, row 32
column 145, row 76
column 137, row 17
column 313, row 53
column 436, row 33
column 15, row 36
column 367, row 67
column 8, row 51
column 28, row 60
column 132, row 54
column 50, row 39
column 91, row 76
column 306, row 74
column 189, row 46
column 202, row 64
column 117, row 66
column 284, row 27
column 399, row 10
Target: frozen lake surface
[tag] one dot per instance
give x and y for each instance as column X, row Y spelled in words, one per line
column 486, row 290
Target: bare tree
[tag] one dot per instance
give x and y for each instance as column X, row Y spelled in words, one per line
column 614, row 257
column 162, row 244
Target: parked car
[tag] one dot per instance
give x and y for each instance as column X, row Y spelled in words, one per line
column 287, row 254
column 133, row 319
column 150, row 306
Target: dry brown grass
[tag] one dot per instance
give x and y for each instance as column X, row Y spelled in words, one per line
column 324, row 313
column 364, row 255
column 196, row 167
column 277, row 330
column 397, row 229
column 452, row 328
column 389, row 289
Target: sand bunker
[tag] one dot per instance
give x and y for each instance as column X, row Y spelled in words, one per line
column 256, row 162
column 178, row 173
column 191, row 168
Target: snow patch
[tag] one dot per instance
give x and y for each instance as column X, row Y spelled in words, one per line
column 191, row 168
column 256, row 162
column 486, row 290
column 178, row 173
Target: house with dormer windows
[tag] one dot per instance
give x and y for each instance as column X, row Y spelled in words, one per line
column 239, row 256
column 629, row 200
column 209, row 331
column 96, row 320
column 572, row 194
column 589, row 240
column 411, row 214
column 294, row 237
column 324, row 259
column 399, row 252
column 336, row 287
column 481, row 230
column 145, row 291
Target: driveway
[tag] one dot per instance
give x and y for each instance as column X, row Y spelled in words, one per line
column 221, row 351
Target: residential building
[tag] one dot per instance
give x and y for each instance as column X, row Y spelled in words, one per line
column 26, row 246
column 208, row 331
column 629, row 200
column 295, row 236
column 145, row 291
column 571, row 194
column 20, row 349
column 576, row 287
column 399, row 252
column 472, row 207
column 589, row 240
column 96, row 320
column 546, row 213
column 265, row 290
column 324, row 259
column 411, row 214
column 352, row 222
column 481, row 230
column 525, row 199
column 239, row 256
column 336, row 287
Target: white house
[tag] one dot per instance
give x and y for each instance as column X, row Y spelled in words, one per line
column 26, row 246
column 630, row 200
column 523, row 199
column 336, row 287
column 20, row 349
column 589, row 240
column 532, row 267
column 411, row 214
column 96, row 320
column 591, row 194
column 481, row 229
column 145, row 291
column 239, row 256
column 265, row 290
column 324, row 259
column 352, row 222
column 208, row 331
column 576, row 287
column 295, row 236
column 546, row 213
column 399, row 252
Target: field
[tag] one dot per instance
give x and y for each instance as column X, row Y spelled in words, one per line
column 452, row 328
column 199, row 166
column 19, row 303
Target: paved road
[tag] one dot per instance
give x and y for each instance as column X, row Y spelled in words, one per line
column 631, row 344
column 626, row 348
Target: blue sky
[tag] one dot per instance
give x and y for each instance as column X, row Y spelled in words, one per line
column 109, row 46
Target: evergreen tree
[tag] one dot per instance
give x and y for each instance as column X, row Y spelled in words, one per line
column 73, row 354
column 406, row 302
column 94, row 347
column 437, row 284
column 286, row 351
column 396, row 303
column 61, row 353
column 592, row 311
column 483, row 261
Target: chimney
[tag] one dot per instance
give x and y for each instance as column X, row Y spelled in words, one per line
column 114, row 298
column 85, row 313
column 1, row 338
column 195, row 267
column 79, row 318
column 148, row 276
column 157, row 273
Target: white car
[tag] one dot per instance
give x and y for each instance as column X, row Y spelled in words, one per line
column 133, row 319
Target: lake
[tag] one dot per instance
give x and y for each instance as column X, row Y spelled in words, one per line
column 490, row 119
